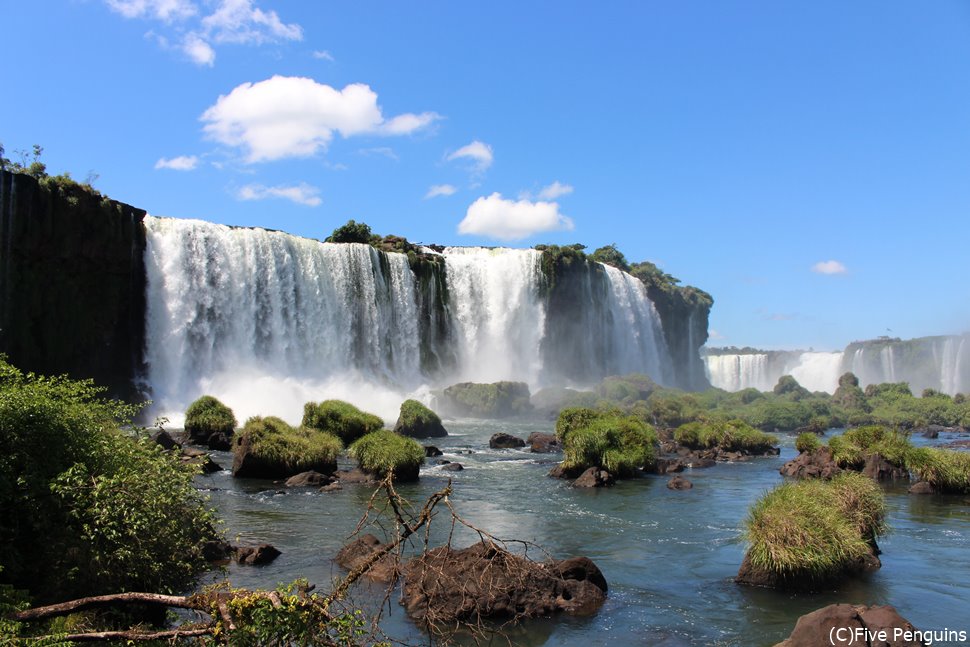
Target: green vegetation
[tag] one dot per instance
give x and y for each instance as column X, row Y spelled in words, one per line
column 851, row 448
column 274, row 447
column 731, row 436
column 815, row 530
column 807, row 441
column 341, row 419
column 418, row 421
column 352, row 232
column 207, row 416
column 610, row 255
column 31, row 165
column 947, row 471
column 495, row 400
column 617, row 443
column 384, row 451
column 84, row 508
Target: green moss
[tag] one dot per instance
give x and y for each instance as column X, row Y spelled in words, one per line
column 495, row 400
column 815, row 529
column 288, row 450
column 617, row 443
column 418, row 421
column 340, row 418
column 730, row 435
column 807, row 442
column 207, row 416
column 946, row 470
column 384, row 451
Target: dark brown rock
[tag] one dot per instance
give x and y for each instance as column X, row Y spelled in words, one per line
column 165, row 439
column 355, row 476
column 594, row 477
column 751, row 575
column 216, row 550
column 679, row 483
column 453, row 467
column 246, row 464
column 333, row 487
column 922, row 487
column 542, row 443
column 816, row 464
column 880, row 469
column 309, row 479
column 845, row 624
column 505, row 441
column 444, row 585
column 256, row 555
column 219, row 442
column 201, row 459
column 357, row 552
column 431, row 451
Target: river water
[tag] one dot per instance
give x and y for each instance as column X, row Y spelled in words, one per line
column 669, row 556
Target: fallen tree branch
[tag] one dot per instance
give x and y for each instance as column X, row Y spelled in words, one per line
column 64, row 608
column 103, row 636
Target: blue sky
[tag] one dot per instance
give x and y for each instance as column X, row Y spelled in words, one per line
column 807, row 163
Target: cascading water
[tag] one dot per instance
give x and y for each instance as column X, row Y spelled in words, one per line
column 267, row 321
column 734, row 372
column 818, row 371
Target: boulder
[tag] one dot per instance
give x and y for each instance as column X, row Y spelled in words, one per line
column 845, row 624
column 418, row 421
column 679, row 483
column 165, row 439
column 815, row 464
column 505, row 441
column 933, row 431
column 594, row 477
column 751, row 575
column 333, row 487
column 431, row 451
column 543, row 443
column 452, row 467
column 201, row 459
column 880, row 469
column 256, row 555
column 496, row 400
column 355, row 476
column 922, row 487
column 309, row 479
column 217, row 550
column 357, row 552
column 445, row 586
column 219, row 442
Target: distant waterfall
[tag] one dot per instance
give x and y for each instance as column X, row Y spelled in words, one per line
column 817, row 371
column 735, row 372
column 268, row 321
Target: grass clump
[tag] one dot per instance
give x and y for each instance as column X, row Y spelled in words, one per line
column 418, row 421
column 384, row 451
column 731, row 435
column 617, row 443
column 946, row 470
column 270, row 448
column 807, row 442
column 207, row 416
column 815, row 530
column 853, row 447
column 341, row 419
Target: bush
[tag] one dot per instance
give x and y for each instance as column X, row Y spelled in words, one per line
column 813, row 529
column 731, row 435
column 807, row 442
column 418, row 421
column 352, row 232
column 495, row 400
column 851, row 448
column 341, row 419
column 946, row 470
column 270, row 448
column 84, row 508
column 619, row 444
column 207, row 416
column 384, row 451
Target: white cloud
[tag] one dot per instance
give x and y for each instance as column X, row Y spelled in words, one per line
column 440, row 189
column 296, row 117
column 497, row 217
column 383, row 151
column 180, row 163
column 713, row 335
column 301, row 193
column 198, row 50
column 829, row 267
column 164, row 10
column 323, row 55
column 555, row 190
column 238, row 21
column 479, row 152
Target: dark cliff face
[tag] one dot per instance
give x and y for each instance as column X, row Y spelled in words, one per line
column 684, row 313
column 72, row 283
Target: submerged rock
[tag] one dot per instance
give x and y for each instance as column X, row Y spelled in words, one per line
column 357, row 552
column 595, row 477
column 922, row 487
column 542, row 443
column 256, row 555
column 679, row 483
column 505, row 441
column 880, row 626
column 309, row 479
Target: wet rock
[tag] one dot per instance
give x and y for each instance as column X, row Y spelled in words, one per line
column 256, row 555
column 922, row 487
column 932, row 432
column 357, row 552
column 431, row 451
column 543, row 443
column 751, row 575
column 309, row 479
column 880, row 469
column 880, row 626
column 333, row 487
column 679, row 483
column 418, row 421
column 816, row 464
column 453, row 467
column 219, row 442
column 595, row 477
column 505, row 441
column 200, row 458
column 355, row 476
column 165, row 439
column 216, row 550
column 444, row 585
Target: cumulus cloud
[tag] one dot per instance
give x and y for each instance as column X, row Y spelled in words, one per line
column 555, row 190
column 296, row 117
column 440, row 189
column 829, row 267
column 230, row 21
column 497, row 217
column 301, row 193
column 180, row 163
column 478, row 152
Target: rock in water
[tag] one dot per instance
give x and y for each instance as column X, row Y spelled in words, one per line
column 595, row 477
column 505, row 441
column 679, row 483
column 256, row 555
column 845, row 624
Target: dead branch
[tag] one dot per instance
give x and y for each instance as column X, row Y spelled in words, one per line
column 64, row 608
column 104, row 636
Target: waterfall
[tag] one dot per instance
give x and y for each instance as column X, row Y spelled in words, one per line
column 734, row 372
column 818, row 371
column 267, row 321
column 951, row 378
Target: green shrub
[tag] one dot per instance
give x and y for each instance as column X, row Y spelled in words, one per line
column 418, row 421
column 731, row 435
column 207, row 416
column 617, row 443
column 341, row 419
column 807, row 442
column 275, row 449
column 851, row 448
column 384, row 451
column 815, row 529
column 946, row 470
column 352, row 232
column 84, row 508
